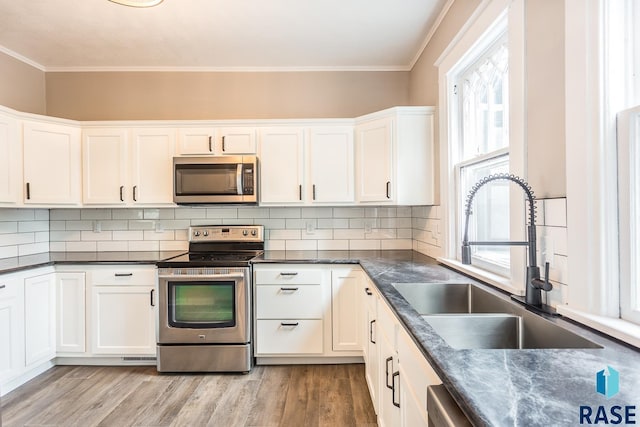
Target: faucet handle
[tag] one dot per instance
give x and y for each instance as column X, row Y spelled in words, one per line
column 547, row 285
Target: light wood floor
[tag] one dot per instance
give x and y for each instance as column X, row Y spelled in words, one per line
column 305, row 395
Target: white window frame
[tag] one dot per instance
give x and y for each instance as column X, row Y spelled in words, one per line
column 483, row 27
column 596, row 89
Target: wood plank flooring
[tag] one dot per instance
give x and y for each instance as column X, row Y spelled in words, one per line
column 299, row 395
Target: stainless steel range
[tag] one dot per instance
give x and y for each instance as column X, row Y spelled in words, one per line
column 204, row 301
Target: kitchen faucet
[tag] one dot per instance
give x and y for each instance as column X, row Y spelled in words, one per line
column 534, row 285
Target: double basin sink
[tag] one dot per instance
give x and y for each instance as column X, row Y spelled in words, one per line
column 468, row 317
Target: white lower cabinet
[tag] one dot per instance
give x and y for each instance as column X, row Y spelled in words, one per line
column 396, row 371
column 122, row 311
column 306, row 311
column 40, row 318
column 70, row 312
column 11, row 328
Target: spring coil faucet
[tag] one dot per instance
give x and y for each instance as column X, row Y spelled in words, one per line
column 534, row 285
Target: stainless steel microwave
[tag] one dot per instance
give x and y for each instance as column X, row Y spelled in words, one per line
column 215, row 179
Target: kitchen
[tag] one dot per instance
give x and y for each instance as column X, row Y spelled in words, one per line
column 547, row 147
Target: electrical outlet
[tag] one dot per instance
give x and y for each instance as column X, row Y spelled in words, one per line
column 367, row 227
column 97, row 226
column 311, row 228
column 158, row 227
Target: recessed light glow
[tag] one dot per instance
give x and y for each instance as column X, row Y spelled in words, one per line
column 138, row 3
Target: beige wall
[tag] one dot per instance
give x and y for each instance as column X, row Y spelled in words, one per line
column 423, row 87
column 211, row 95
column 22, row 87
column 546, row 157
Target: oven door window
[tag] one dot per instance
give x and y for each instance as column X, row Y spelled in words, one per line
column 202, row 304
column 207, row 179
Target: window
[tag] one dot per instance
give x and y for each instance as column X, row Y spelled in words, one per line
column 481, row 116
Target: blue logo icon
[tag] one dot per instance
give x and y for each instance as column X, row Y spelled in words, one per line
column 608, row 382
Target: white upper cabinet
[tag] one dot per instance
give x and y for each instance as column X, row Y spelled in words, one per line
column 237, row 140
column 395, row 157
column 128, row 167
column 152, row 152
column 104, row 161
column 51, row 163
column 374, row 160
column 216, row 141
column 10, row 161
column 281, row 167
column 331, row 166
column 196, row 141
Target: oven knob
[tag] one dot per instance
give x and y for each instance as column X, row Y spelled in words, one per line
column 254, row 233
column 196, row 233
column 205, row 233
column 245, row 233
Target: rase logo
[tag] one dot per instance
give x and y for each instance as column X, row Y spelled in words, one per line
column 608, row 382
column 608, row 385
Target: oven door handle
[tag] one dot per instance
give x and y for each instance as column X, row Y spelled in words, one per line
column 201, row 276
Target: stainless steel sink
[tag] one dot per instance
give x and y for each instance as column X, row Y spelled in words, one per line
column 467, row 316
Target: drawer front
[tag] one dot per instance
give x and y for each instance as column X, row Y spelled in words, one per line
column 289, row 302
column 123, row 276
column 290, row 336
column 288, row 275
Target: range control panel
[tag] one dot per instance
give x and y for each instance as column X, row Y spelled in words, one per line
column 226, row 233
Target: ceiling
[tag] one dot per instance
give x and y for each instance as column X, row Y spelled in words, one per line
column 76, row 35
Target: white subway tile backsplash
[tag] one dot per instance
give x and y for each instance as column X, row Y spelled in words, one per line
column 285, row 213
column 174, row 245
column 79, row 225
column 240, row 221
column 253, row 213
column 348, row 212
column 222, row 213
column 113, row 246
column 301, row 245
column 8, row 227
column 141, row 224
column 396, row 244
column 95, row 214
column 14, row 214
column 555, row 212
column 190, row 213
column 333, row 223
column 127, row 235
column 124, row 213
column 147, row 245
column 317, row 212
column 32, row 226
column 81, row 246
column 57, row 246
column 96, row 237
column 317, row 235
column 8, row 251
column 350, row 234
column 154, row 235
column 285, row 234
column 364, row 245
column 159, row 214
column 275, row 245
column 333, row 245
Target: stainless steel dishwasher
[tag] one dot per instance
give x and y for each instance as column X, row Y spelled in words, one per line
column 443, row 410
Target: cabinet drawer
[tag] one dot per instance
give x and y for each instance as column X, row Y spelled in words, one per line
column 122, row 276
column 288, row 275
column 291, row 336
column 417, row 371
column 287, row 301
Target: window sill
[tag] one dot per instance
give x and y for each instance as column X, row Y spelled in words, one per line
column 617, row 328
column 499, row 282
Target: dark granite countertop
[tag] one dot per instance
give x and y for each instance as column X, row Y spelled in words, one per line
column 12, row 265
column 495, row 387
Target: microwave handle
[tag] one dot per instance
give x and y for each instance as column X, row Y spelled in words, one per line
column 239, row 179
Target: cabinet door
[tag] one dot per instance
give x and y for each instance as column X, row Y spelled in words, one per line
column 11, row 328
column 152, row 153
column 237, row 140
column 70, row 302
column 370, row 348
column 122, row 320
column 374, row 161
column 51, row 163
column 104, row 161
column 346, row 300
column 281, row 165
column 10, row 180
column 331, row 164
column 40, row 319
column 196, row 141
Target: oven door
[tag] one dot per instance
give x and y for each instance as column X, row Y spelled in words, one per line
column 210, row 308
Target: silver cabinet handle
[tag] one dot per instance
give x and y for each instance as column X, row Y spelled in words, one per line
column 124, row 274
column 293, row 273
column 153, row 304
column 288, row 289
column 210, row 146
column 223, row 146
column 289, row 324
column 135, row 193
column 300, row 191
column 386, row 372
column 122, row 193
column 314, row 191
column 388, row 189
